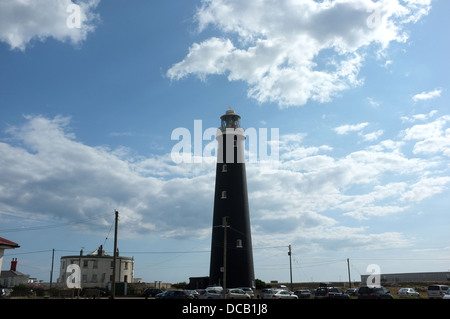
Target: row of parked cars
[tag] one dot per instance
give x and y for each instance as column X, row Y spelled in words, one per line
column 208, row 293
column 325, row 291
column 380, row 292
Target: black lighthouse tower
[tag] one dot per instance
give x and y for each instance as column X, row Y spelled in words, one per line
column 231, row 246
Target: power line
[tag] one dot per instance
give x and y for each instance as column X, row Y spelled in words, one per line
column 167, row 252
column 135, row 252
column 29, row 252
column 112, row 224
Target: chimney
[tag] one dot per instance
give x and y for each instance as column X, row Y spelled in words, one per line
column 14, row 264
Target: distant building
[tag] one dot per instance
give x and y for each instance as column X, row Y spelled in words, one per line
column 12, row 277
column 411, row 277
column 97, row 269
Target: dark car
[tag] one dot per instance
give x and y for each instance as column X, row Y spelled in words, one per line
column 330, row 293
column 374, row 292
column 352, row 291
column 177, row 294
column 151, row 292
column 303, row 294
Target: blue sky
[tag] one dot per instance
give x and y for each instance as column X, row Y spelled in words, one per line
column 357, row 88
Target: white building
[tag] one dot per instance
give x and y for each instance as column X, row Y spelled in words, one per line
column 97, row 269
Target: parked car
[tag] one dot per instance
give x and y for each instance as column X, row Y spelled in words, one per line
column 374, row 292
column 330, row 293
column 237, row 293
column 408, row 293
column 267, row 293
column 161, row 294
column 352, row 291
column 176, row 294
column 151, row 292
column 248, row 291
column 5, row 293
column 303, row 294
column 283, row 294
column 212, row 293
column 437, row 291
column 446, row 295
column 193, row 293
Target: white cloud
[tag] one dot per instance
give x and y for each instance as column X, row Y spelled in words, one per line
column 373, row 136
column 291, row 52
column 47, row 172
column 419, row 117
column 433, row 137
column 427, row 95
column 373, row 102
column 22, row 21
column 202, row 59
column 426, row 188
column 345, row 129
column 50, row 172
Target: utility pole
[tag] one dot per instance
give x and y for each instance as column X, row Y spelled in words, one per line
column 51, row 272
column 113, row 283
column 290, row 265
column 225, row 226
column 348, row 267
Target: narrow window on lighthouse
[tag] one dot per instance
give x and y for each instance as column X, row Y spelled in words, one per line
column 224, row 168
column 224, row 194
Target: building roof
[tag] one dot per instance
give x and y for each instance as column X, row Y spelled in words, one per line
column 98, row 252
column 12, row 273
column 7, row 244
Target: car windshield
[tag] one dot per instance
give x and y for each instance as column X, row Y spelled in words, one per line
column 433, row 288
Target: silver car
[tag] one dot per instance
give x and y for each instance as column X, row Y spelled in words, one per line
column 213, row 293
column 248, row 291
column 437, row 291
column 237, row 293
column 283, row 294
column 267, row 293
column 408, row 293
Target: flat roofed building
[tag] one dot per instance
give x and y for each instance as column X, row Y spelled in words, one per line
column 411, row 277
column 97, row 268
